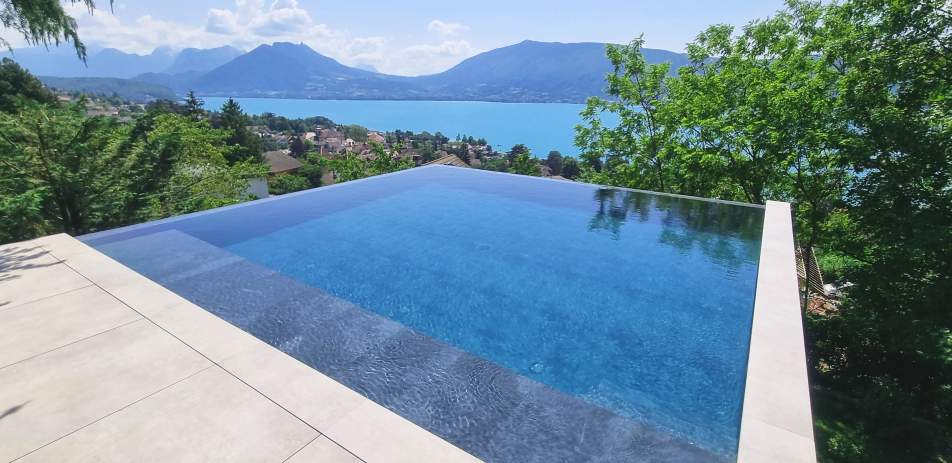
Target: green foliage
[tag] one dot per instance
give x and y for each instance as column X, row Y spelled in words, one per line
column 350, row 167
column 246, row 146
column 295, row 126
column 313, row 170
column 298, row 148
column 516, row 151
column 355, row 132
column 554, row 161
column 43, row 22
column 524, row 165
column 14, row 81
column 570, row 168
column 287, row 183
column 427, row 153
column 61, row 171
column 497, row 164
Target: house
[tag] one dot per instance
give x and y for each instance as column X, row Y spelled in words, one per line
column 327, row 134
column 349, row 143
column 333, row 146
column 546, row 171
column 376, row 137
column 281, row 162
column 449, row 160
column 310, row 136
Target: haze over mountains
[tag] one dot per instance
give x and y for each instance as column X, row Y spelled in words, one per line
column 530, row 72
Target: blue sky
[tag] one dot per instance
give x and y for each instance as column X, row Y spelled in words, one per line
column 409, row 37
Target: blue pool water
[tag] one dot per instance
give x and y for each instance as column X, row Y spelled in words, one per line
column 541, row 127
column 635, row 304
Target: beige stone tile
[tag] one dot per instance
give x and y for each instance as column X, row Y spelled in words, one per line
column 760, row 443
column 40, row 326
column 209, row 417
column 61, row 391
column 778, row 391
column 62, row 245
column 137, row 291
column 322, row 450
column 206, row 333
column 27, row 274
column 376, row 434
column 304, row 391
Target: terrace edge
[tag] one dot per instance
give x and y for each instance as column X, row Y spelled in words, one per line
column 777, row 420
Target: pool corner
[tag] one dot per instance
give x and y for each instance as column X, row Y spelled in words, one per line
column 777, row 421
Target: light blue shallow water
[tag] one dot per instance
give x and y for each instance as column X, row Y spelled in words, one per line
column 541, row 127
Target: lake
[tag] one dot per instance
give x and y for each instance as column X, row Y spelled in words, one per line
column 541, row 127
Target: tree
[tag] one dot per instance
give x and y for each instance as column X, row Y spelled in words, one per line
column 43, row 22
column 524, row 165
column 516, row 151
column 570, row 168
column 313, row 170
column 14, row 81
column 287, row 183
column 65, row 172
column 554, row 161
column 427, row 153
column 349, row 167
column 194, row 106
column 297, row 147
column 246, row 146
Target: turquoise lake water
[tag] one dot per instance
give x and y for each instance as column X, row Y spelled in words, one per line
column 541, row 127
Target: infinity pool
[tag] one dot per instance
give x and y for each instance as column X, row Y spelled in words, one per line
column 521, row 319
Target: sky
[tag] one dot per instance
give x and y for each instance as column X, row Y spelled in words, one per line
column 407, row 37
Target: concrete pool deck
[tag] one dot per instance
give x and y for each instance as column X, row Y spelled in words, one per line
column 98, row 363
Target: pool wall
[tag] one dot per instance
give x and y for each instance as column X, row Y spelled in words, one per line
column 777, row 422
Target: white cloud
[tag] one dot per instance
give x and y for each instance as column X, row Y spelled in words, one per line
column 442, row 28
column 254, row 22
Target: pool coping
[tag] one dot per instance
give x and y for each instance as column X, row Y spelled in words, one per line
column 777, row 420
column 281, row 394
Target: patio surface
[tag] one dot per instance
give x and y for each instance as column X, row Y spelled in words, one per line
column 98, row 363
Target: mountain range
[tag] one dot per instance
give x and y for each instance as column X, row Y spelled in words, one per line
column 529, row 72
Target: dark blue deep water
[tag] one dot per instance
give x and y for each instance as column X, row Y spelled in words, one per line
column 635, row 303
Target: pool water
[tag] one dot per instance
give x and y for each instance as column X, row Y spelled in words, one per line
column 638, row 305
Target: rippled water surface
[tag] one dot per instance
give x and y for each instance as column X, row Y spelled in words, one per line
column 634, row 303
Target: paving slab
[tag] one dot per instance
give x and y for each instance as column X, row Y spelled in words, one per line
column 40, row 326
column 204, row 332
column 61, row 391
column 315, row 398
column 376, row 434
column 322, row 450
column 28, row 273
column 209, row 417
column 138, row 292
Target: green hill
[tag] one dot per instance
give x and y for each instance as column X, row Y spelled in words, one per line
column 132, row 90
